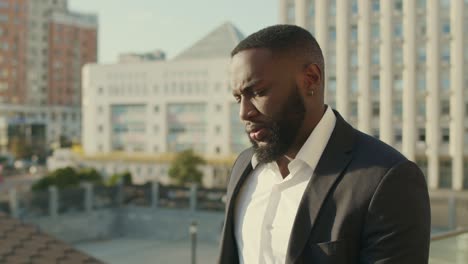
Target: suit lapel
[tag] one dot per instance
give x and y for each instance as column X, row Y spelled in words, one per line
column 240, row 171
column 334, row 159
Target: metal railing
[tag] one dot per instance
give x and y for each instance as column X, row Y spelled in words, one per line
column 449, row 234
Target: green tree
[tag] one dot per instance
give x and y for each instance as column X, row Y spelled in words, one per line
column 67, row 177
column 184, row 168
column 125, row 177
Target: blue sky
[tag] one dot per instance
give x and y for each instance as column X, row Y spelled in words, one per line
column 169, row 25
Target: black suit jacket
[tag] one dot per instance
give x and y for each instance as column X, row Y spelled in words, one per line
column 365, row 203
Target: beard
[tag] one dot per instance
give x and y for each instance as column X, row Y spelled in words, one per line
column 283, row 128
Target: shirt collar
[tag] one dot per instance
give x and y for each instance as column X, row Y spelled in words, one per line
column 312, row 149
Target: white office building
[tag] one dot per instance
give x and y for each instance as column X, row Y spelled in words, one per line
column 398, row 70
column 137, row 114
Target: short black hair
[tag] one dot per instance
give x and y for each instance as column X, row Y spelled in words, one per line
column 289, row 39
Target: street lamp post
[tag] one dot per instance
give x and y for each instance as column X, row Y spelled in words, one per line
column 193, row 237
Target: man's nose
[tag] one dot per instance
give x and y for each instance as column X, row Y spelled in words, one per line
column 247, row 110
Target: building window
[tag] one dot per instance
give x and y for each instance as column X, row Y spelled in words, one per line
column 375, row 31
column 398, row 56
column 218, row 108
column 156, row 129
column 354, row 32
column 311, row 8
column 446, row 28
column 422, row 53
column 375, row 109
column 398, row 83
column 375, row 56
column 354, row 83
column 445, row 80
column 354, row 108
column 445, row 135
column 445, row 4
column 100, row 90
column 422, row 135
column 398, row 108
column 375, row 83
column 332, row 4
column 291, row 12
column 398, row 5
column 421, row 81
column 332, row 33
column 354, row 58
column 376, row 5
column 354, row 6
column 155, row 149
column 422, row 109
column 421, row 4
column 332, row 84
column 3, row 86
column 446, row 53
column 445, row 179
column 156, row 108
column 100, row 128
column 445, row 109
column 218, row 130
column 398, row 135
column 398, row 30
column 218, row 150
column 100, row 109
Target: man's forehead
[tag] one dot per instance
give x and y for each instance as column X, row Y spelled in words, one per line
column 252, row 56
column 250, row 64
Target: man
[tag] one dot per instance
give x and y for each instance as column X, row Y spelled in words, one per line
column 312, row 189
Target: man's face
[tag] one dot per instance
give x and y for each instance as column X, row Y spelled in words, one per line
column 270, row 104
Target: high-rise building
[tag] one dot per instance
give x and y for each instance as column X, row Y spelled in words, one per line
column 398, row 70
column 72, row 44
column 43, row 47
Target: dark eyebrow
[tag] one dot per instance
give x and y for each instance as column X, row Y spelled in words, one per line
column 249, row 86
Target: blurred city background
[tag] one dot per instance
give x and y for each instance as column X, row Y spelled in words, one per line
column 118, row 128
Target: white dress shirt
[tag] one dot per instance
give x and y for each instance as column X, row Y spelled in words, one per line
column 267, row 204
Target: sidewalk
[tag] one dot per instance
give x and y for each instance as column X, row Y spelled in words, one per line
column 138, row 251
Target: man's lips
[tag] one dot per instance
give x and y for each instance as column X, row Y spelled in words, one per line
column 258, row 134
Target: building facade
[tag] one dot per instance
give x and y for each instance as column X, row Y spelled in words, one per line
column 135, row 114
column 43, row 47
column 398, row 70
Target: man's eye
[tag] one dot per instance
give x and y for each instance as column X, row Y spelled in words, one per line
column 237, row 98
column 258, row 93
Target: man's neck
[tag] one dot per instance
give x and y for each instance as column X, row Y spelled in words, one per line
column 283, row 163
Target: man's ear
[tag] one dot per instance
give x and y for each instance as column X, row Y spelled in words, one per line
column 313, row 76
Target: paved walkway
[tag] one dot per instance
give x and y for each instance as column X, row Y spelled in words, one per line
column 138, row 251
column 450, row 251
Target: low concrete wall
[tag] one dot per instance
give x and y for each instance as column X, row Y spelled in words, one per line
column 170, row 224
column 79, row 227
column 449, row 210
column 137, row 222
